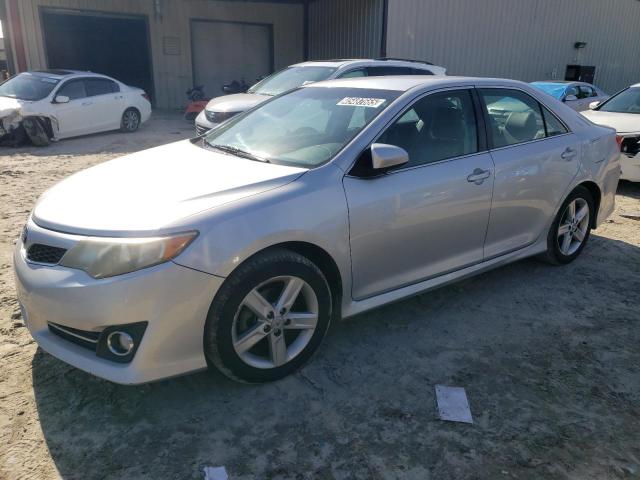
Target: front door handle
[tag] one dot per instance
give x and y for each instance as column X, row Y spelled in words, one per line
column 568, row 154
column 478, row 176
column 86, row 104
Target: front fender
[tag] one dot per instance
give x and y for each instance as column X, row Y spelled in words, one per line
column 311, row 209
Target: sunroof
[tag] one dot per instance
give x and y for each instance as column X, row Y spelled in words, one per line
column 55, row 72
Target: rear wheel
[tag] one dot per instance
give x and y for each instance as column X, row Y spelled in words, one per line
column 268, row 318
column 130, row 120
column 571, row 228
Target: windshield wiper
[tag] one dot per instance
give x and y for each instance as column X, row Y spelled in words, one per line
column 237, row 152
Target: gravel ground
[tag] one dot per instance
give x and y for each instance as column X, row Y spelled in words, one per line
column 548, row 356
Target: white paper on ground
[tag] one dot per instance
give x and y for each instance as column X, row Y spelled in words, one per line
column 215, row 473
column 453, row 404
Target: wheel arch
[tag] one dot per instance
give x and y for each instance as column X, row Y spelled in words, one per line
column 596, row 194
column 322, row 259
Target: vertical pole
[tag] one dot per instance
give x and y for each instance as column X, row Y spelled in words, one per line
column 385, row 19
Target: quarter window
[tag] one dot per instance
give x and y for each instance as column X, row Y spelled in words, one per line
column 554, row 126
column 387, row 71
column 586, row 92
column 514, row 117
column 436, row 127
column 73, row 89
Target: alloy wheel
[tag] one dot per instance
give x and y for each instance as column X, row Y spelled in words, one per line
column 573, row 226
column 131, row 120
column 275, row 322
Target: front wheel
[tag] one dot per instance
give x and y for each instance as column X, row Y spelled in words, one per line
column 268, row 318
column 130, row 120
column 571, row 228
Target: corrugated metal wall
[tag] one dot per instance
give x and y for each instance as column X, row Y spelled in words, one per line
column 173, row 73
column 522, row 39
column 344, row 28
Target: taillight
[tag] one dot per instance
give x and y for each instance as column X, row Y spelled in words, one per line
column 145, row 95
column 619, row 139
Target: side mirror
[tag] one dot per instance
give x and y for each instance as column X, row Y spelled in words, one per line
column 385, row 156
column 61, row 99
column 594, row 105
column 570, row 98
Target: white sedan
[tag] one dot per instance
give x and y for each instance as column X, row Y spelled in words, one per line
column 622, row 112
column 55, row 104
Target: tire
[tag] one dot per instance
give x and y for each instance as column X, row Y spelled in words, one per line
column 36, row 131
column 564, row 248
column 130, row 120
column 247, row 346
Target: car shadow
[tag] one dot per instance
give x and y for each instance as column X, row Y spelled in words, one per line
column 164, row 126
column 546, row 355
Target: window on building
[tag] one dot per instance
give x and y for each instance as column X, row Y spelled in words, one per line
column 436, row 127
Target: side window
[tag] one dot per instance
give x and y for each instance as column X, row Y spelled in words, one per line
column 514, row 116
column 73, row 89
column 585, row 92
column 418, row 71
column 387, row 71
column 100, row 86
column 436, row 127
column 554, row 126
column 572, row 91
column 360, row 72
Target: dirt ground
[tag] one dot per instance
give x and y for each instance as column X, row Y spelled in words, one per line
column 549, row 358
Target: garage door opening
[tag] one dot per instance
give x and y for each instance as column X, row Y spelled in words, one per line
column 227, row 51
column 114, row 46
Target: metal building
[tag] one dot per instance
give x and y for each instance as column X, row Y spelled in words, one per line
column 166, row 46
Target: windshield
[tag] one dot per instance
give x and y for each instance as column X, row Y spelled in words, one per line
column 304, row 128
column 290, row 78
column 27, row 86
column 627, row 101
column 553, row 89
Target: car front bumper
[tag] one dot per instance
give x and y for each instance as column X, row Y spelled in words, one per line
column 630, row 168
column 173, row 300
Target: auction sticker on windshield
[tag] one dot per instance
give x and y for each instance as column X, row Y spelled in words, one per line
column 362, row 102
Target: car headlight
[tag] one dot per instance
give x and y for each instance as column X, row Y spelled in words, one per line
column 107, row 257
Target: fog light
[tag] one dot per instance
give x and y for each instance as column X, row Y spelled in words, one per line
column 120, row 343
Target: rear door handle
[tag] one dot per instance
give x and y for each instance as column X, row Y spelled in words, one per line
column 85, row 104
column 568, row 154
column 478, row 176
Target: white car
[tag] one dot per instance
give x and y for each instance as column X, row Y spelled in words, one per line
column 226, row 106
column 55, row 104
column 622, row 112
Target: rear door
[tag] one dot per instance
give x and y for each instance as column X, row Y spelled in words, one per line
column 107, row 103
column 430, row 216
column 536, row 157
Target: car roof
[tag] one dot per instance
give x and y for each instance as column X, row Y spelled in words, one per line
column 635, row 85
column 60, row 74
column 393, row 62
column 404, row 83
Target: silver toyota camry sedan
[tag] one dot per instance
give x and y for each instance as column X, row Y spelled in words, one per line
column 237, row 249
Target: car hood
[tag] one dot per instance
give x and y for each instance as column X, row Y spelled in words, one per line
column 9, row 105
column 154, row 190
column 238, row 102
column 622, row 122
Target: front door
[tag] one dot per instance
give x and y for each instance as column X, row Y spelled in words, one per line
column 74, row 117
column 535, row 157
column 430, row 216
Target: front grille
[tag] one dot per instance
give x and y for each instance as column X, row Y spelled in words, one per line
column 83, row 338
column 45, row 253
column 630, row 146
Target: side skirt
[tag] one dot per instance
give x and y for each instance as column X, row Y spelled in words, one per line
column 356, row 307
